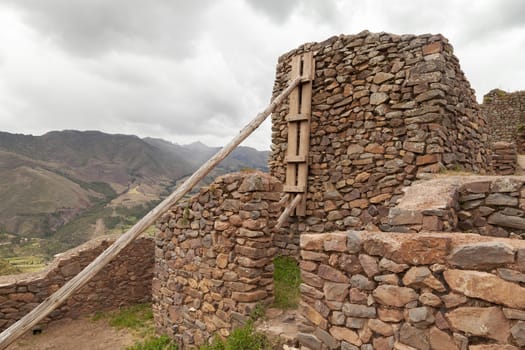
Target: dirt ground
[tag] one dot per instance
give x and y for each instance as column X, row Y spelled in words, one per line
column 80, row 334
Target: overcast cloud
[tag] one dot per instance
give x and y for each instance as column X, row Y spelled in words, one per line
column 199, row 70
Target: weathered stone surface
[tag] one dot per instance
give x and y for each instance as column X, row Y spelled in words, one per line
column 486, row 286
column 514, row 314
column 419, row 276
column 331, row 274
column 369, row 264
column 440, row 340
column 380, row 327
column 336, row 291
column 511, row 275
column 342, row 333
column 518, row 333
column 501, row 199
column 394, row 295
column 507, row 221
column 482, row 255
column 326, row 338
column 421, row 316
column 486, row 322
column 309, row 340
column 415, row 337
column 492, row 347
column 356, row 310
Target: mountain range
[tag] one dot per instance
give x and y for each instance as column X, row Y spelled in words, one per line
column 66, row 187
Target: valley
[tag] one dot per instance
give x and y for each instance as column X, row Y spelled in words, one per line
column 63, row 188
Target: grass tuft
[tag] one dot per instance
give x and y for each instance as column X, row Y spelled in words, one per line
column 242, row 338
column 154, row 343
column 287, row 278
column 133, row 317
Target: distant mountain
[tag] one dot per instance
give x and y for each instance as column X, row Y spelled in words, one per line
column 68, row 186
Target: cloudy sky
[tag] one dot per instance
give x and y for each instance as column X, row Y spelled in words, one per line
column 201, row 69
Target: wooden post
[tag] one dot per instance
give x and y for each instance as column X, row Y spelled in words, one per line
column 288, row 210
column 53, row 301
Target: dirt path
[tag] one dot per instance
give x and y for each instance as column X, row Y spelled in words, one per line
column 80, row 334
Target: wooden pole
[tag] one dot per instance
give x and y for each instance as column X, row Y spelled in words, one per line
column 288, row 210
column 53, row 301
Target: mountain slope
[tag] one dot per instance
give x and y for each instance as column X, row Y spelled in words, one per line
column 69, row 185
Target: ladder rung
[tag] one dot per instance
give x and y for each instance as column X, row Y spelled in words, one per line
column 296, row 117
column 294, row 189
column 296, row 159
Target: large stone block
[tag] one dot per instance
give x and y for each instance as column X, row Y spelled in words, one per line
column 487, row 322
column 482, row 255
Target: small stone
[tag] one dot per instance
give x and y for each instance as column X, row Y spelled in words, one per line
column 389, row 265
column 342, row 333
column 329, row 273
column 429, row 299
column 501, row 199
column 381, row 77
column 394, row 295
column 421, row 316
column 514, row 314
column 378, row 97
column 335, row 291
column 380, row 327
column 453, row 299
column 415, row 337
column 518, row 333
column 369, row 265
column 309, row 341
column 357, row 310
column 440, row 340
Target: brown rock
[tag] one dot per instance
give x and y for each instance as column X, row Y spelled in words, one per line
column 492, row 347
column 311, row 241
column 482, row 255
column 312, row 315
column 369, row 265
column 415, row 337
column 335, row 242
column 479, row 321
column 329, row 273
column 380, row 327
column 453, row 299
column 518, row 333
column 250, row 296
column 486, row 286
column 440, row 340
column 389, row 315
column 222, row 260
column 383, row 343
column 394, row 296
column 420, row 276
column 432, row 48
column 335, row 291
column 342, row 333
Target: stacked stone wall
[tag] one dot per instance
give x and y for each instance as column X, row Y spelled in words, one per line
column 214, row 258
column 505, row 114
column 488, row 205
column 124, row 281
column 376, row 290
column 385, row 108
column 504, row 158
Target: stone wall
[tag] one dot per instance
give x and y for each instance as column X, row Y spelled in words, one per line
column 385, row 108
column 214, row 257
column 505, row 114
column 488, row 205
column 124, row 281
column 504, row 158
column 442, row 291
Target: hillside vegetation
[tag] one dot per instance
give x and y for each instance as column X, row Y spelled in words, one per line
column 65, row 187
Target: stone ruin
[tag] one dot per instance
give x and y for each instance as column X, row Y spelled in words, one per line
column 386, row 263
column 391, row 256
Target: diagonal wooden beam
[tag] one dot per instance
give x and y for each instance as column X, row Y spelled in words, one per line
column 53, row 301
column 288, row 210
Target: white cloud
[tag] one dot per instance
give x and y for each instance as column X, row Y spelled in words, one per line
column 189, row 71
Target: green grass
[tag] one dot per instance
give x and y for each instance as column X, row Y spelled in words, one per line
column 138, row 318
column 287, row 278
column 242, row 338
column 154, row 343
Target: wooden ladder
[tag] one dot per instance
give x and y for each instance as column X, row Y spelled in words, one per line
column 298, row 119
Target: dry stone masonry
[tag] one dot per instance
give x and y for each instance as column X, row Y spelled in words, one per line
column 214, row 258
column 505, row 114
column 124, row 281
column 385, row 108
column 504, row 158
column 442, row 291
column 488, row 205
